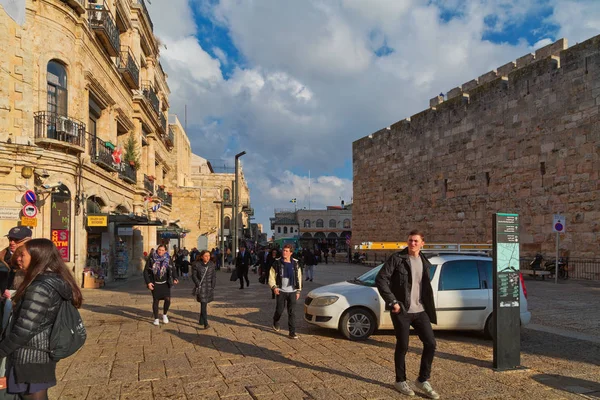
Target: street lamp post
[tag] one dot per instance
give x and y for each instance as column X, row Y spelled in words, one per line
column 221, row 233
column 236, row 201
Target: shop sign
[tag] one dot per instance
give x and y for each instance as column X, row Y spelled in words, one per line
column 9, row 212
column 60, row 238
column 27, row 221
column 97, row 220
column 125, row 231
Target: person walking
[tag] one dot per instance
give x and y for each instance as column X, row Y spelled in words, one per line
column 205, row 279
column 310, row 260
column 403, row 283
column 333, row 252
column 242, row 263
column 11, row 275
column 326, row 255
column 47, row 283
column 159, row 277
column 285, row 279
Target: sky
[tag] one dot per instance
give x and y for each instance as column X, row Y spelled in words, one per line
column 294, row 82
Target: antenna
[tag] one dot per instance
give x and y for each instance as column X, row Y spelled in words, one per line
column 309, row 189
column 185, row 118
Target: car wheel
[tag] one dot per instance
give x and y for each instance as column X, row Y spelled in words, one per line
column 358, row 324
column 488, row 331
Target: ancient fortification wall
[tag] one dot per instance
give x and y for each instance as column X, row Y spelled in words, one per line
column 523, row 138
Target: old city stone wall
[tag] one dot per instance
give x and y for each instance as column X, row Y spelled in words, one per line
column 524, row 138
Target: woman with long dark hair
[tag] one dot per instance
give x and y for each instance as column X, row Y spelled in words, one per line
column 159, row 278
column 46, row 284
column 205, row 279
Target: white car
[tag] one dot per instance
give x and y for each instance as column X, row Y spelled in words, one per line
column 462, row 290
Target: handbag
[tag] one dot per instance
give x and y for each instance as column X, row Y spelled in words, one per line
column 234, row 275
column 196, row 290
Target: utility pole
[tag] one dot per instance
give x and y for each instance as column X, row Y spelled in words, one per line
column 221, row 229
column 236, row 200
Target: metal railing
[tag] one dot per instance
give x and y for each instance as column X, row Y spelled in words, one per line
column 146, row 13
column 101, row 154
column 128, row 67
column 148, row 184
column 169, row 199
column 221, row 167
column 127, row 173
column 577, row 268
column 161, row 194
column 150, row 94
column 170, row 138
column 64, row 129
column 102, row 22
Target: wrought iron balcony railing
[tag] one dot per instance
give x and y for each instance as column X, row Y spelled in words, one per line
column 169, row 199
column 128, row 173
column 161, row 194
column 129, row 68
column 143, row 5
column 170, row 138
column 102, row 22
column 77, row 5
column 60, row 128
column 102, row 154
column 150, row 94
column 148, row 185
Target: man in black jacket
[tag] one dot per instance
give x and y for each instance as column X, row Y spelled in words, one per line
column 242, row 263
column 404, row 285
column 285, row 279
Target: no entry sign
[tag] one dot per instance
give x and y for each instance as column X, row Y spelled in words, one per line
column 29, row 210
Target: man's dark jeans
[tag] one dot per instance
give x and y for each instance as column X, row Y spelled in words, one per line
column 290, row 299
column 243, row 274
column 422, row 325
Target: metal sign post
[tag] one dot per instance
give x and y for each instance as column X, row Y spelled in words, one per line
column 507, row 293
column 558, row 226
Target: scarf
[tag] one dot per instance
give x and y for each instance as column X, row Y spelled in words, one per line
column 288, row 272
column 160, row 264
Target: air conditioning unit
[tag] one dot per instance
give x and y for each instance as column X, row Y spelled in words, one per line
column 66, row 126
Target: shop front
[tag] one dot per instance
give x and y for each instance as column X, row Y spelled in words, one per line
column 97, row 251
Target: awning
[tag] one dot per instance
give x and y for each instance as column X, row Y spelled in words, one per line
column 133, row 220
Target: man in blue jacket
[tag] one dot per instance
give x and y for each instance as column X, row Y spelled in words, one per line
column 404, row 285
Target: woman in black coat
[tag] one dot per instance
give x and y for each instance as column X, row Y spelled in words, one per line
column 47, row 282
column 205, row 279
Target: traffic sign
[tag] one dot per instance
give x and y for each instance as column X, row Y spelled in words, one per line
column 26, row 221
column 29, row 210
column 30, row 197
column 559, row 223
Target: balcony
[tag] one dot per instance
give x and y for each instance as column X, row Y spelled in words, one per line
column 161, row 194
column 150, row 95
column 127, row 173
column 148, row 185
column 163, row 122
column 102, row 154
column 145, row 10
column 77, row 5
column 129, row 68
column 102, row 22
column 53, row 129
column 169, row 199
column 170, row 138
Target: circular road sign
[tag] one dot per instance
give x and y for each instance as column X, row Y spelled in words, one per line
column 30, row 197
column 29, row 210
column 558, row 227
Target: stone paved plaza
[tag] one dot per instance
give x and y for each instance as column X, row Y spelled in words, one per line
column 240, row 357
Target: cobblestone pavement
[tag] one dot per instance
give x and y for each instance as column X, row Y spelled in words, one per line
column 240, row 357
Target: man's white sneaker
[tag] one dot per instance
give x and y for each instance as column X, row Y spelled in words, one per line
column 426, row 387
column 403, row 388
column 165, row 319
column 156, row 322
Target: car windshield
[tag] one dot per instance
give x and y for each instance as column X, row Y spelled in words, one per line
column 368, row 278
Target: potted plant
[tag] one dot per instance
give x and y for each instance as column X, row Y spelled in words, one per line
column 170, row 193
column 151, row 178
column 162, row 186
column 131, row 153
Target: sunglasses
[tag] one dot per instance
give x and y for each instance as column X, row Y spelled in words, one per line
column 11, row 239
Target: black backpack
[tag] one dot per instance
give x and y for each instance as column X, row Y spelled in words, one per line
column 68, row 332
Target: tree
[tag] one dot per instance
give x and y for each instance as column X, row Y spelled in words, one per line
column 131, row 153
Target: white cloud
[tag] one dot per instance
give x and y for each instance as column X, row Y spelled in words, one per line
column 309, row 83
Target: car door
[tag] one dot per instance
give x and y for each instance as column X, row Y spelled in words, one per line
column 462, row 301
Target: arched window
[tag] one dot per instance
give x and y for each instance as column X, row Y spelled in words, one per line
column 226, row 194
column 307, row 223
column 227, row 222
column 332, row 223
column 278, row 229
column 285, row 229
column 346, row 224
column 94, row 205
column 319, row 223
column 57, row 88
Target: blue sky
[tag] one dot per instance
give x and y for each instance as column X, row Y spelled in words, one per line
column 295, row 83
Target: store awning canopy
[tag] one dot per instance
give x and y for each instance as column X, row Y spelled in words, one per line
column 133, row 220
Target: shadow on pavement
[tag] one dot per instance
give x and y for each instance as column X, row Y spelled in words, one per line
column 568, row 384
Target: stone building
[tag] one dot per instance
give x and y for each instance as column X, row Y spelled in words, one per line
column 83, row 123
column 522, row 138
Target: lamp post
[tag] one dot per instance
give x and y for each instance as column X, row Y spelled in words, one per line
column 236, row 202
column 221, row 234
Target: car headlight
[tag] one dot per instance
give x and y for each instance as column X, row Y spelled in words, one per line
column 324, row 301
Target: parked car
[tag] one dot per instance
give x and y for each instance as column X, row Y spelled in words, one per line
column 462, row 289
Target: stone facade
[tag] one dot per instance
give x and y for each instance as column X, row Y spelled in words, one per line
column 524, row 138
column 76, row 84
